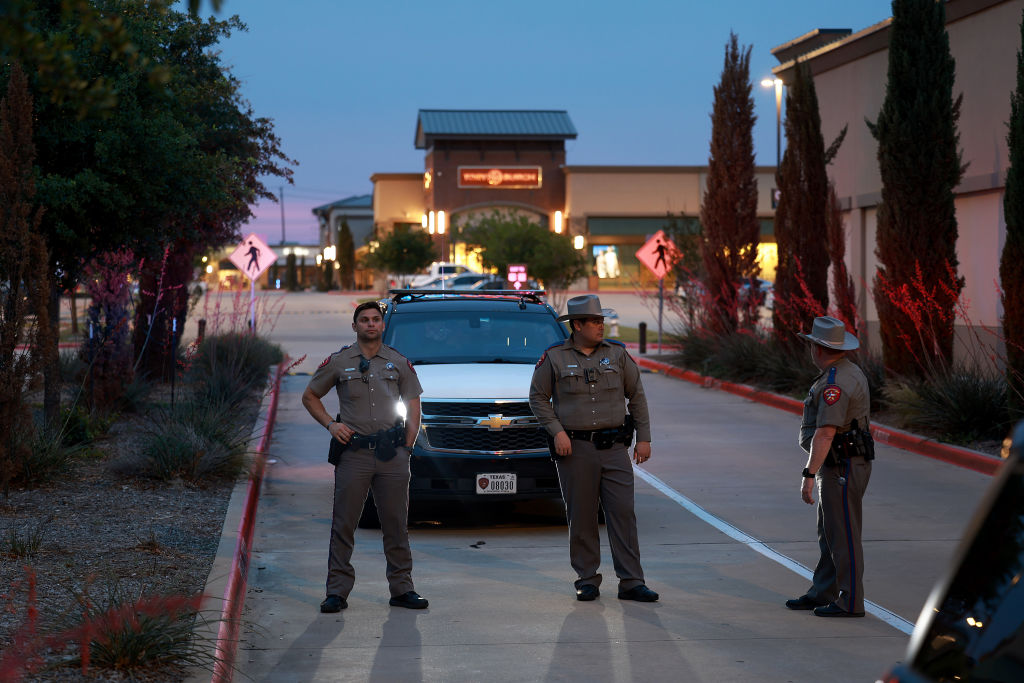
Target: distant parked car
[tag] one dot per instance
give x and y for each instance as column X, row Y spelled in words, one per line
column 437, row 270
column 696, row 290
column 461, row 281
column 499, row 283
column 972, row 626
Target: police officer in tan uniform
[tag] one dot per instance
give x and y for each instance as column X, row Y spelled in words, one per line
column 835, row 433
column 371, row 379
column 579, row 394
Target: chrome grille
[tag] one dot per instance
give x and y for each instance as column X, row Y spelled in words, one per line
column 468, row 427
column 463, row 439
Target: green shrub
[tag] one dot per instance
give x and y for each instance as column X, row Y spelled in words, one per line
column 194, row 441
column 24, row 544
column 137, row 634
column 786, row 369
column 957, row 403
column 80, row 426
column 229, row 366
column 46, row 456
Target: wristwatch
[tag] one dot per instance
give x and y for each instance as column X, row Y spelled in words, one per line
column 807, row 474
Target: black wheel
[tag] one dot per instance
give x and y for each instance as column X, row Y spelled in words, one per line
column 369, row 519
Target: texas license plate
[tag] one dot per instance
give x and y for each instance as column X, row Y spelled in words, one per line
column 501, row 483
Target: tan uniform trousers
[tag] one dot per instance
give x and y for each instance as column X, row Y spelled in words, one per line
column 357, row 473
column 840, row 571
column 588, row 477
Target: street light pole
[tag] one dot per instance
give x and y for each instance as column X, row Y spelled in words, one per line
column 777, row 84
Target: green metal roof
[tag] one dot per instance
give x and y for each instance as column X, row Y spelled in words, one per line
column 361, row 201
column 452, row 124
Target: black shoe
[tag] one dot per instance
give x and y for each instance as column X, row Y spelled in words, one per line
column 639, row 593
column 411, row 600
column 834, row 610
column 804, row 602
column 333, row 603
column 587, row 592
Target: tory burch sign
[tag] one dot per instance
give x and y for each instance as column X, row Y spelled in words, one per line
column 515, row 177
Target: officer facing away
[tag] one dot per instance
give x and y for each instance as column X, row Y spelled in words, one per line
column 578, row 393
column 371, row 379
column 835, row 433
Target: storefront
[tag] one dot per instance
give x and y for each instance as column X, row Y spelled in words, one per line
column 513, row 162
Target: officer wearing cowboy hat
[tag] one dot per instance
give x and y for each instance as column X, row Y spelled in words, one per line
column 835, row 414
column 579, row 392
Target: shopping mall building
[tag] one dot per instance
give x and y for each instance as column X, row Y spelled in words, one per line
column 476, row 163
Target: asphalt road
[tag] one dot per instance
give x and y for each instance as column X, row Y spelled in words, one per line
column 724, row 538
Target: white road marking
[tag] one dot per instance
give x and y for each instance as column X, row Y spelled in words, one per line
column 897, row 622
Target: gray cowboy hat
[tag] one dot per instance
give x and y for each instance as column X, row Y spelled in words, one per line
column 586, row 306
column 831, row 334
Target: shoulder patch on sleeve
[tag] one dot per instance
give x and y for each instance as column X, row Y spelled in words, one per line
column 831, row 394
column 409, row 363
column 615, row 341
column 544, row 355
column 328, row 359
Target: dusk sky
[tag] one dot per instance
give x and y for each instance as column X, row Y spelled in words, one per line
column 343, row 80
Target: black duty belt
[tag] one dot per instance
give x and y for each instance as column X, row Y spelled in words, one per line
column 360, row 441
column 591, row 434
column 602, row 439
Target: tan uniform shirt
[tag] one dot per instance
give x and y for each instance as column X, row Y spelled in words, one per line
column 838, row 396
column 368, row 402
column 571, row 390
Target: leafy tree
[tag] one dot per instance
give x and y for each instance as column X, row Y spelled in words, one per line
column 916, row 285
column 346, row 256
column 23, row 278
column 164, row 166
column 404, row 252
column 729, row 210
column 107, row 347
column 801, row 281
column 1011, row 265
column 508, row 239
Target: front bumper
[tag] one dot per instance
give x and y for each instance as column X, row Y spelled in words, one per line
column 437, row 475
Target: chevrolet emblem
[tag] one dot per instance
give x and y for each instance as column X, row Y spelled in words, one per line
column 494, row 423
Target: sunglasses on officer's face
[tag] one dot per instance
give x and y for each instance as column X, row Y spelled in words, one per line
column 364, row 367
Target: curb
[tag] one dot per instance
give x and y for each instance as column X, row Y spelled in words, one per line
column 234, row 593
column 955, row 455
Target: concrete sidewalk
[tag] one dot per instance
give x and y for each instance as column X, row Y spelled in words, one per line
column 502, row 606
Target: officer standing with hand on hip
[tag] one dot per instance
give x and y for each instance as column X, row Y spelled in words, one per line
column 579, row 391
column 835, row 433
column 371, row 379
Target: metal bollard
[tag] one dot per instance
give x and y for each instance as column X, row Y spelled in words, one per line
column 643, row 338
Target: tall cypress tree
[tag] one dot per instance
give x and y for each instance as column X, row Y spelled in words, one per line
column 728, row 213
column 801, row 281
column 1011, row 266
column 917, row 286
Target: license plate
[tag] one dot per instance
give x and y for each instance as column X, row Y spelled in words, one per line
column 490, row 484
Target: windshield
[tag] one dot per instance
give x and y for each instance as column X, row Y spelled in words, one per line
column 473, row 336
